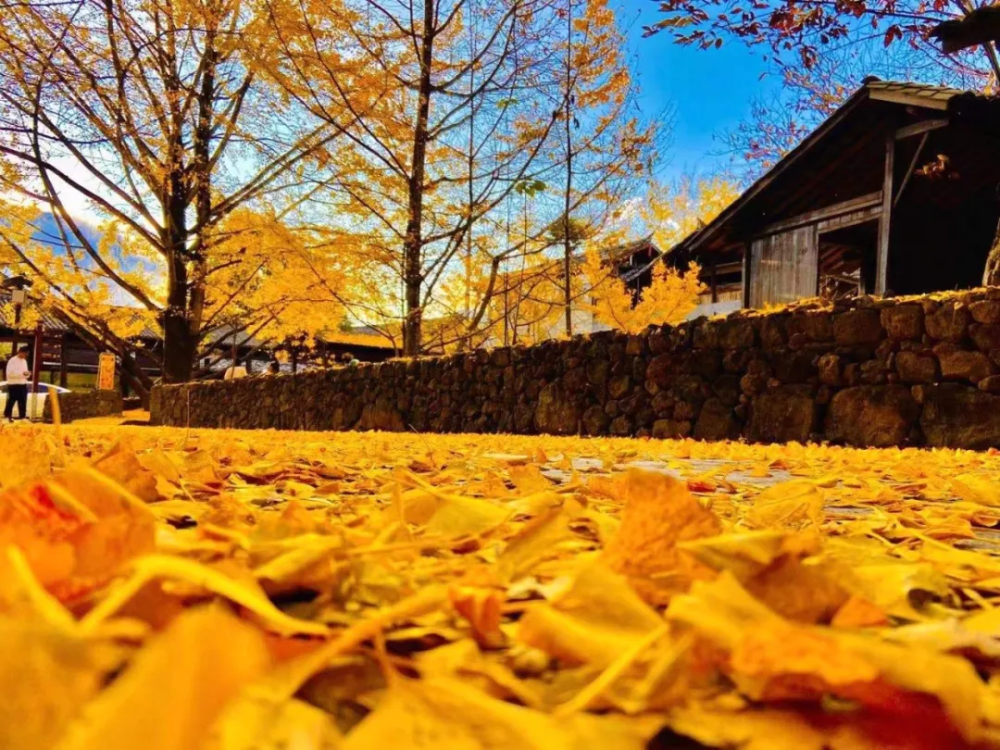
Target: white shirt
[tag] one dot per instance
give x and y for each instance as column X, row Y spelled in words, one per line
column 17, row 371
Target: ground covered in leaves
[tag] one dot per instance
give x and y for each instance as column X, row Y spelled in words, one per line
column 168, row 589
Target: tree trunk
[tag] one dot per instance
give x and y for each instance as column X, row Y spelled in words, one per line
column 179, row 345
column 201, row 146
column 567, row 240
column 413, row 329
column 413, row 244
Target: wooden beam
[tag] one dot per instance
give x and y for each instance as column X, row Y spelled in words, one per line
column 724, row 268
column 884, row 225
column 919, row 128
column 715, row 288
column 909, row 170
column 827, row 212
column 849, row 220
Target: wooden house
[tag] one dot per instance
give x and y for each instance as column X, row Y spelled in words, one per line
column 895, row 193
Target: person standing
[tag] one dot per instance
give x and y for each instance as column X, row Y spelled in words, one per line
column 17, row 385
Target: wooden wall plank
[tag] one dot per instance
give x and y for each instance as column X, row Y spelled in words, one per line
column 784, row 267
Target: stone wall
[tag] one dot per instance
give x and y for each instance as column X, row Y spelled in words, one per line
column 84, row 405
column 917, row 371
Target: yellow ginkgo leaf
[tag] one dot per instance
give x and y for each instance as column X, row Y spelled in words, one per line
column 456, row 515
column 52, row 673
column 977, row 488
column 593, row 622
column 443, row 713
column 175, row 688
column 793, row 505
column 536, row 540
column 748, row 553
column 251, row 722
column 529, row 479
column 154, row 567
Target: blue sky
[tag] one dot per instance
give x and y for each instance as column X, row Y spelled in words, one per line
column 710, row 89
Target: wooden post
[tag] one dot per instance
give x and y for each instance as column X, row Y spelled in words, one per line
column 747, row 249
column 715, row 287
column 884, row 224
column 63, row 371
column 36, row 366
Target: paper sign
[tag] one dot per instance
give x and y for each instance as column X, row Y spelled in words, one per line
column 106, row 372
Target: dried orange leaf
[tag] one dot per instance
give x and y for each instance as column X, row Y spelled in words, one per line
column 660, row 513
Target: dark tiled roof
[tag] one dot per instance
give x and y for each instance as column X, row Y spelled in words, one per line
column 51, row 323
column 628, row 249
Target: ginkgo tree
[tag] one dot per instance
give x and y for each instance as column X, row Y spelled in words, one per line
column 201, row 168
column 603, row 145
column 154, row 121
column 271, row 283
column 452, row 111
column 405, row 95
column 667, row 213
column 669, row 297
column 268, row 285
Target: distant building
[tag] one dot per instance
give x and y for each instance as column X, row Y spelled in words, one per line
column 69, row 357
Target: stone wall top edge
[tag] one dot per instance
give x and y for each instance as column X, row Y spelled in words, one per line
column 518, row 352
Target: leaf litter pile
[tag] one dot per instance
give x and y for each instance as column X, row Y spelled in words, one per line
column 167, row 589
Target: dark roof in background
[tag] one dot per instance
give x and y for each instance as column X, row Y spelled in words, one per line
column 49, row 322
column 904, row 94
column 628, row 249
column 52, row 323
